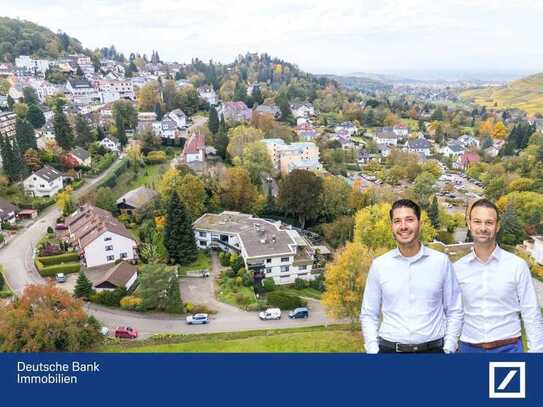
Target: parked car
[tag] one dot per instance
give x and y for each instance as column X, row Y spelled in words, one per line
column 60, row 277
column 104, row 330
column 197, row 319
column 61, row 226
column 270, row 313
column 126, row 332
column 301, row 312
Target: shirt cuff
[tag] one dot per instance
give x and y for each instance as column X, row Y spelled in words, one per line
column 450, row 346
column 373, row 348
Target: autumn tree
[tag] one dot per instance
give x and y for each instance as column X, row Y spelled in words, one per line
column 47, row 319
column 345, row 281
column 499, row 131
column 334, row 198
column 148, row 97
column 240, row 136
column 193, row 194
column 237, row 191
column 299, row 195
column 32, row 159
column 255, row 159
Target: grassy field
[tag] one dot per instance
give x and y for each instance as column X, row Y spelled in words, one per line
column 304, row 292
column 525, row 94
column 148, row 176
column 203, row 261
column 312, row 339
column 4, row 291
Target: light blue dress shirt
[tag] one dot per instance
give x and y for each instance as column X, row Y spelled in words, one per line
column 417, row 298
column 495, row 294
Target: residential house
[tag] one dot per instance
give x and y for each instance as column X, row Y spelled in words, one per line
column 16, row 91
column 46, row 134
column 347, row 127
column 306, row 132
column 135, row 200
column 465, row 160
column 32, row 65
column 81, row 156
column 111, row 143
column 401, row 130
column 121, row 275
column 268, row 249
column 386, row 136
column 179, row 117
column 344, row 138
column 469, row 141
column 207, row 93
column 81, row 92
column 273, row 110
column 195, row 149
column 305, row 109
column 99, row 237
column 453, row 150
column 418, row 145
column 8, row 122
column 281, row 154
column 8, row 212
column 45, row 182
column 169, row 133
column 235, row 112
column 147, row 120
column 384, row 150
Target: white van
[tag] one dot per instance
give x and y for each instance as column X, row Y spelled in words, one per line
column 270, row 313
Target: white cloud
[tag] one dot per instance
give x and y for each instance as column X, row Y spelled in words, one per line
column 318, row 35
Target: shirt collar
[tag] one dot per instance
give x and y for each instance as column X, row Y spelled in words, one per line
column 423, row 252
column 496, row 255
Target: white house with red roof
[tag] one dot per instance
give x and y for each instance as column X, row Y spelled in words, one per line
column 195, row 149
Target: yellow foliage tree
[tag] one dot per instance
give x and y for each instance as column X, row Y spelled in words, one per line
column 239, row 137
column 168, row 182
column 345, row 280
column 486, row 128
column 499, row 131
column 148, row 97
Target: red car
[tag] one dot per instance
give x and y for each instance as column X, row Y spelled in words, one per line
column 61, row 226
column 126, row 332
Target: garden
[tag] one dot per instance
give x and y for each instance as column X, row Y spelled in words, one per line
column 55, row 256
column 235, row 286
column 5, row 292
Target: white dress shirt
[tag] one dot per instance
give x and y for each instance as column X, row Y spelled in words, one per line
column 418, row 297
column 494, row 293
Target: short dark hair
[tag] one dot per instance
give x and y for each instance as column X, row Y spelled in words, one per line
column 484, row 203
column 405, row 203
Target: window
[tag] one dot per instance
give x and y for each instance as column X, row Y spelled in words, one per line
column 302, row 268
column 268, row 261
column 202, row 234
column 124, row 255
column 284, row 259
column 110, row 258
column 108, row 248
column 284, row 269
column 203, row 243
column 107, row 239
column 302, row 274
column 268, row 270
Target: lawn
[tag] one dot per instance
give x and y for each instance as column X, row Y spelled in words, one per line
column 148, row 176
column 336, row 338
column 203, row 261
column 304, row 292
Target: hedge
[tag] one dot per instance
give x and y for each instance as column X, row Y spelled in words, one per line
column 51, row 271
column 69, row 257
column 284, row 300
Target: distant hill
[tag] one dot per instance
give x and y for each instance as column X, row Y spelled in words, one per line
column 525, row 94
column 359, row 83
column 20, row 37
column 384, row 78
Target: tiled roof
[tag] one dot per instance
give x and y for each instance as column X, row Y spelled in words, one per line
column 194, row 144
column 138, row 198
column 48, row 173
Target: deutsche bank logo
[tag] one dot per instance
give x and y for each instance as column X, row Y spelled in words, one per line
column 507, row 380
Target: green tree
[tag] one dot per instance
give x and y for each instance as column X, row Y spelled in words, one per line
column 424, row 188
column 257, row 96
column 105, row 199
column 30, row 96
column 239, row 137
column 84, row 135
column 63, row 131
column 213, row 120
column 35, row 116
column 24, row 133
column 237, row 191
column 511, row 231
column 433, row 213
column 124, row 112
column 299, row 195
column 157, row 290
column 221, row 139
column 83, row 286
column 255, row 160
column 240, row 92
column 47, row 319
column 178, row 236
column 334, row 198
column 193, row 194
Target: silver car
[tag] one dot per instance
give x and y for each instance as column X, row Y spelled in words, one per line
column 197, row 319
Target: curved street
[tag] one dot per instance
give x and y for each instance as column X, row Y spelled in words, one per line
column 19, row 271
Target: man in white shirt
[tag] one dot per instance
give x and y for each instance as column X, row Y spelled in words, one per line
column 496, row 286
column 415, row 291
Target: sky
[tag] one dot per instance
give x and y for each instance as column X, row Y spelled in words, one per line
column 340, row 36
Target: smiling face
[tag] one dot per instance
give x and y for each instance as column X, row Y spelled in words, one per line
column 484, row 225
column 405, row 226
